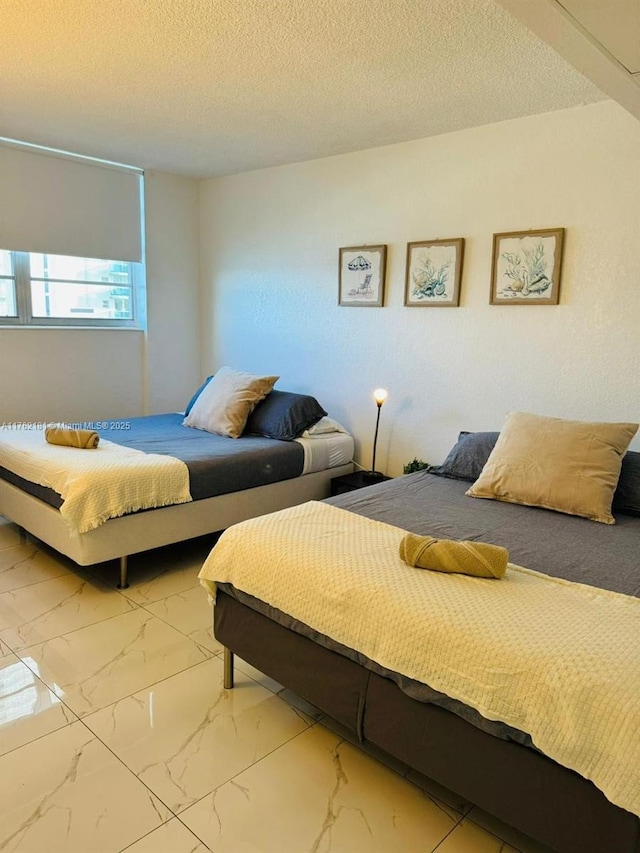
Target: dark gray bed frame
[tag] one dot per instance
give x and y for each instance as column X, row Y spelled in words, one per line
column 519, row 785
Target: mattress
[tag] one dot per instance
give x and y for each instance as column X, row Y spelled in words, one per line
column 328, row 450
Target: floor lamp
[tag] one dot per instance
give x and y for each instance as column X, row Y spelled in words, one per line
column 373, row 476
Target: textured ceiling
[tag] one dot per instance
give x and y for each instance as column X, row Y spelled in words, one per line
column 211, row 87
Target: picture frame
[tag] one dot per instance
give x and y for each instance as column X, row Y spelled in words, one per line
column 362, row 274
column 433, row 273
column 526, row 267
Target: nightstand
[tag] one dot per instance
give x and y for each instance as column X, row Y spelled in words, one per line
column 351, row 482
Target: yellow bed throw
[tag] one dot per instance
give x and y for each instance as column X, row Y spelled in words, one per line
column 110, row 481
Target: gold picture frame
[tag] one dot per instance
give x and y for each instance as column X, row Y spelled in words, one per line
column 362, row 273
column 526, row 267
column 433, row 273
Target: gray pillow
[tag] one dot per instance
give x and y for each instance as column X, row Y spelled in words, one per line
column 284, row 415
column 192, row 401
column 468, row 457
column 626, row 498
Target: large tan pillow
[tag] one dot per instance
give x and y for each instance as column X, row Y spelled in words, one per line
column 227, row 401
column 568, row 466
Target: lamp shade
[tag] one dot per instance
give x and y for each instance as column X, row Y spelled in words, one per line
column 373, row 476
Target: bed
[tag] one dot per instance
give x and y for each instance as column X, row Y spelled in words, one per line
column 498, row 766
column 220, row 481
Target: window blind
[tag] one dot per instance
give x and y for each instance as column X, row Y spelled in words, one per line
column 63, row 205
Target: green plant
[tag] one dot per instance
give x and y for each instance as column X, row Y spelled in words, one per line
column 415, row 465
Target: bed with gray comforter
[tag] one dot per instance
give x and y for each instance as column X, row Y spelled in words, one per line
column 492, row 764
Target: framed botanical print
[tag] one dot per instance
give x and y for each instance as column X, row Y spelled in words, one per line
column 433, row 273
column 526, row 267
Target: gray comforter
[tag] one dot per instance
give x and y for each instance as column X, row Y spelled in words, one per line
column 565, row 546
column 217, row 465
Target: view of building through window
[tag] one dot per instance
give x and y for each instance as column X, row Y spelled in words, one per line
column 7, row 298
column 61, row 287
column 71, row 287
column 7, row 286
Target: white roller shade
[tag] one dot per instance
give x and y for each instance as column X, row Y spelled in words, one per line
column 66, row 206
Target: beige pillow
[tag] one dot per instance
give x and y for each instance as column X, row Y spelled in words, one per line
column 568, row 466
column 227, row 401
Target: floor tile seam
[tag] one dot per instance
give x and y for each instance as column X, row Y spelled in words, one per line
column 204, row 796
column 71, row 572
column 240, row 772
column 172, row 814
column 81, row 628
column 15, row 545
column 11, row 649
column 44, row 683
column 79, row 572
column 194, row 833
column 440, row 803
column 147, row 602
column 33, row 583
column 45, row 734
column 464, row 811
column 404, row 775
column 51, row 690
column 6, row 547
column 489, row 831
column 81, row 716
column 340, row 740
column 166, row 621
column 132, row 586
column 112, row 582
column 86, row 714
column 174, row 817
column 452, row 830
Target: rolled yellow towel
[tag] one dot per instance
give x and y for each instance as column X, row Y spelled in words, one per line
column 85, row 438
column 444, row 555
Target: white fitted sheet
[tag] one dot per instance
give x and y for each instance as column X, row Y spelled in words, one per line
column 328, row 450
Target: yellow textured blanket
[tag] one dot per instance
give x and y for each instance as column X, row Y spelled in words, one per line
column 109, row 482
column 558, row 660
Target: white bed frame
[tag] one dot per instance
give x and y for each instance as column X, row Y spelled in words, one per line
column 141, row 531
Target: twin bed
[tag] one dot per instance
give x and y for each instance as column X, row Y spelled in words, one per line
column 113, row 507
column 521, row 694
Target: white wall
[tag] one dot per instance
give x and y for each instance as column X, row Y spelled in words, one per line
column 83, row 374
column 70, row 374
column 172, row 291
column 269, row 248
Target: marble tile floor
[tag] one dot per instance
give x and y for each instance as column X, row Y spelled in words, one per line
column 116, row 733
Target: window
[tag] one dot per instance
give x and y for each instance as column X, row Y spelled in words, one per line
column 44, row 289
column 8, row 303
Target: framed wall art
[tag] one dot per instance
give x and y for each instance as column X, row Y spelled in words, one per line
column 526, row 267
column 362, row 276
column 433, row 273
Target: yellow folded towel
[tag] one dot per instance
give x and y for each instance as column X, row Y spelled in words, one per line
column 85, row 438
column 444, row 555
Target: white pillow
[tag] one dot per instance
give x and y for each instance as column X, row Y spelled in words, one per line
column 227, row 401
column 324, row 425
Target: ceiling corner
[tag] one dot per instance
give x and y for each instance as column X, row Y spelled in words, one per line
column 580, row 43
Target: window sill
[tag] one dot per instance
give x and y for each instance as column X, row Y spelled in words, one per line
column 79, row 328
